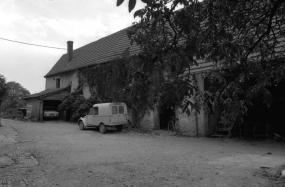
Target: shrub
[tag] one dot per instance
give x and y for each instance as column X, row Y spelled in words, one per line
column 77, row 104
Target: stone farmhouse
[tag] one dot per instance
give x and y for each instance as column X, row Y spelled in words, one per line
column 63, row 75
column 62, row 79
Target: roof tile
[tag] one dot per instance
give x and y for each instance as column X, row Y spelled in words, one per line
column 109, row 48
column 46, row 93
column 100, row 51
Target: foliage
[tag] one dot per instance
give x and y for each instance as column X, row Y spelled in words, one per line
column 13, row 99
column 117, row 81
column 77, row 105
column 243, row 39
column 3, row 89
column 3, row 86
column 106, row 80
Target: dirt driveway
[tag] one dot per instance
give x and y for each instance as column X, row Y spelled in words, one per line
column 66, row 156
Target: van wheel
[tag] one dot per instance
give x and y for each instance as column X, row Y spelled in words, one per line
column 102, row 128
column 81, row 125
column 119, row 128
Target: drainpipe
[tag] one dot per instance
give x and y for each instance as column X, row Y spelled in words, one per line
column 196, row 113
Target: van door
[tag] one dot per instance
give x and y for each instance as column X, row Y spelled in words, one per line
column 90, row 117
column 122, row 114
column 115, row 115
column 95, row 121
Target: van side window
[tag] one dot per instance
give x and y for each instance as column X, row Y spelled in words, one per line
column 96, row 112
column 91, row 112
column 121, row 109
column 114, row 110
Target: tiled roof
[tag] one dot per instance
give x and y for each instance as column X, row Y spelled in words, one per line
column 100, row 51
column 110, row 47
column 46, row 93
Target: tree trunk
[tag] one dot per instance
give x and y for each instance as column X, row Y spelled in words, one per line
column 0, row 113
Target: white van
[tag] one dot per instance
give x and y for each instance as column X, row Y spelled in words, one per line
column 105, row 115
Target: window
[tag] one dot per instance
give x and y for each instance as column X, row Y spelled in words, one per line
column 114, row 110
column 91, row 111
column 96, row 112
column 121, row 109
column 57, row 82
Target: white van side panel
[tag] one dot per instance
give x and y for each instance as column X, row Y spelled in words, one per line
column 101, row 119
column 104, row 111
column 105, row 114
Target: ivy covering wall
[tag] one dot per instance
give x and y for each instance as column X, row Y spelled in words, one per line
column 120, row 81
column 107, row 81
column 130, row 81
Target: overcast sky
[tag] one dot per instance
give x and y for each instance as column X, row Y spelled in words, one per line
column 52, row 23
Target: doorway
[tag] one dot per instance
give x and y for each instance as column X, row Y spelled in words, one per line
column 166, row 114
column 51, row 105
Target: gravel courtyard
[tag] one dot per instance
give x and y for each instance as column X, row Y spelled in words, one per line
column 56, row 153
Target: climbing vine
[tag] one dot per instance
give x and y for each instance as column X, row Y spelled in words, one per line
column 107, row 81
column 118, row 81
column 135, row 81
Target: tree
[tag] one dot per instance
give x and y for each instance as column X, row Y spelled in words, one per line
column 13, row 99
column 243, row 39
column 77, row 104
column 3, row 89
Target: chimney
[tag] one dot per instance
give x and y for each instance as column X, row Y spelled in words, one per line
column 70, row 50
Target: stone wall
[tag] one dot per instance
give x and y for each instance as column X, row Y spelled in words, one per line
column 147, row 121
column 33, row 108
column 187, row 124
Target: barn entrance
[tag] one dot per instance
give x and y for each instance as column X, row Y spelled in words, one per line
column 264, row 121
column 51, row 105
column 166, row 114
column 47, row 100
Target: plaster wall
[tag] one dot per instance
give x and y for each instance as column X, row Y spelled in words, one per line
column 147, row 121
column 196, row 123
column 33, row 108
column 203, row 124
column 150, row 119
column 131, row 115
column 66, row 79
column 156, row 117
column 187, row 124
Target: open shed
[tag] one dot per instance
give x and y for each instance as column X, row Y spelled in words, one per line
column 45, row 100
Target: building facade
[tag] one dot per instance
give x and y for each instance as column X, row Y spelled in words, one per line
column 63, row 75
